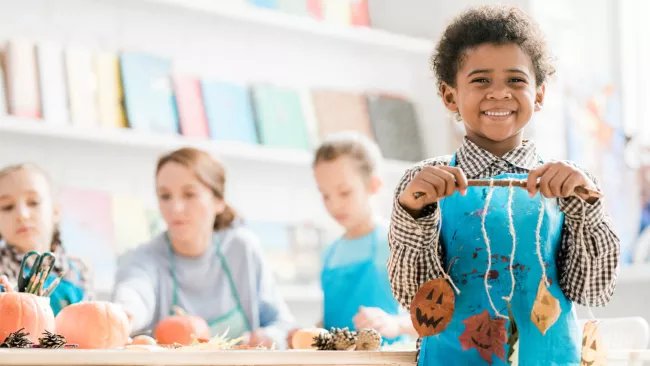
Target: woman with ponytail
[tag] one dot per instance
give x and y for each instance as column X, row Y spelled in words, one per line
column 29, row 222
column 205, row 263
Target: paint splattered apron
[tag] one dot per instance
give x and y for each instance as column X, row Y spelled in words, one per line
column 462, row 239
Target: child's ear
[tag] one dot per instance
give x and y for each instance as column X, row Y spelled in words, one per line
column 539, row 97
column 449, row 97
column 375, row 184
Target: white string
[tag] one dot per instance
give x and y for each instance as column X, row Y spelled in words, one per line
column 538, row 239
column 588, row 258
column 437, row 257
column 489, row 252
column 514, row 241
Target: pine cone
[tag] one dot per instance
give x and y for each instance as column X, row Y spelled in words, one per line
column 368, row 340
column 51, row 340
column 17, row 339
column 324, row 342
column 344, row 340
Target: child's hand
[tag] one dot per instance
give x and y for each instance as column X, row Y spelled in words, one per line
column 376, row 318
column 557, row 179
column 435, row 182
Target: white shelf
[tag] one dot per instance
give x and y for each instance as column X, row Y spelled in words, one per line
column 636, row 273
column 135, row 139
column 277, row 19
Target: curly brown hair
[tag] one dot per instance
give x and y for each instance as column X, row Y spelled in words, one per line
column 492, row 24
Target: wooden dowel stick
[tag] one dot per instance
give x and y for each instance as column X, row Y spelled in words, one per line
column 521, row 184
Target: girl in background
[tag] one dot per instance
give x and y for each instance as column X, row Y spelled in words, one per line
column 29, row 222
column 357, row 293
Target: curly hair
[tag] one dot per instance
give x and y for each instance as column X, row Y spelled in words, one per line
column 491, row 24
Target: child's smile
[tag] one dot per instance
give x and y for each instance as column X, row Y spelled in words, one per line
column 496, row 95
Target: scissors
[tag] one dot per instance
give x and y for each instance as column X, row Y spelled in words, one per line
column 41, row 259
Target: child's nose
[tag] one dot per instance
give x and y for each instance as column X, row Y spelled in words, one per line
column 499, row 93
column 23, row 211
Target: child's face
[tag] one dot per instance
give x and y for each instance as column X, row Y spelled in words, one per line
column 188, row 206
column 345, row 191
column 27, row 213
column 495, row 92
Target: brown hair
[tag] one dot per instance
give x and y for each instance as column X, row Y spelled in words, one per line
column 56, row 234
column 356, row 146
column 209, row 171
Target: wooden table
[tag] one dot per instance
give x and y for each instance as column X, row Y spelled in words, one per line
column 72, row 357
column 34, row 357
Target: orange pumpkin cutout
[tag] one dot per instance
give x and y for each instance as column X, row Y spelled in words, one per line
column 432, row 307
column 546, row 309
column 593, row 349
column 487, row 335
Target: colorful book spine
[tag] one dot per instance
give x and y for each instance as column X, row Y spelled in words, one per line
column 23, row 96
column 109, row 92
column 189, row 102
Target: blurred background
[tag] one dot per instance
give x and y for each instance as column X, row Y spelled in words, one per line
column 95, row 90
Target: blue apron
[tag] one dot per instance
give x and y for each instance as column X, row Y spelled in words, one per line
column 234, row 321
column 347, row 287
column 66, row 293
column 462, row 239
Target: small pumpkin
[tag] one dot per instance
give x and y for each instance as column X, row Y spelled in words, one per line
column 487, row 335
column 143, row 340
column 432, row 307
column 22, row 310
column 94, row 325
column 181, row 328
column 304, row 338
column 593, row 350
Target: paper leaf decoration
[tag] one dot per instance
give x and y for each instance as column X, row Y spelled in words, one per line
column 593, row 349
column 513, row 339
column 546, row 309
column 432, row 307
column 485, row 334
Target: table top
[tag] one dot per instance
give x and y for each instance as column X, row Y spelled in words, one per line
column 73, row 357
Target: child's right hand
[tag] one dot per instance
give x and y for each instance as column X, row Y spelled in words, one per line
column 434, row 183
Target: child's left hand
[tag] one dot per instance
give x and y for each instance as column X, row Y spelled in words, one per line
column 377, row 319
column 557, row 179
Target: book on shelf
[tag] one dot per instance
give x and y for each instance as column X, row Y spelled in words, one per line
column 148, row 93
column 190, row 106
column 295, row 7
column 337, row 11
column 82, row 87
column 110, row 94
column 396, row 127
column 229, row 111
column 23, row 95
column 53, row 83
column 268, row 4
column 279, row 117
column 339, row 111
column 359, row 13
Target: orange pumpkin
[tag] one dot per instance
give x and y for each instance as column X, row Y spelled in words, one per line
column 94, row 325
column 143, row 340
column 432, row 307
column 181, row 328
column 23, row 310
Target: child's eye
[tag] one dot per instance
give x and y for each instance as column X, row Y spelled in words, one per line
column 481, row 80
column 345, row 193
column 33, row 203
column 517, row 80
column 7, row 207
column 164, row 196
column 189, row 194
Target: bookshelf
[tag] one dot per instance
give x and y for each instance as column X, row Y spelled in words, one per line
column 116, row 137
column 242, row 11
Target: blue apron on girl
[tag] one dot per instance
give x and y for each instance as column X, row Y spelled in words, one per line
column 346, row 287
column 67, row 292
column 463, row 243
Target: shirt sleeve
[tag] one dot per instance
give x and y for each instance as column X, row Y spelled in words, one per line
column 590, row 247
column 134, row 288
column 413, row 246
